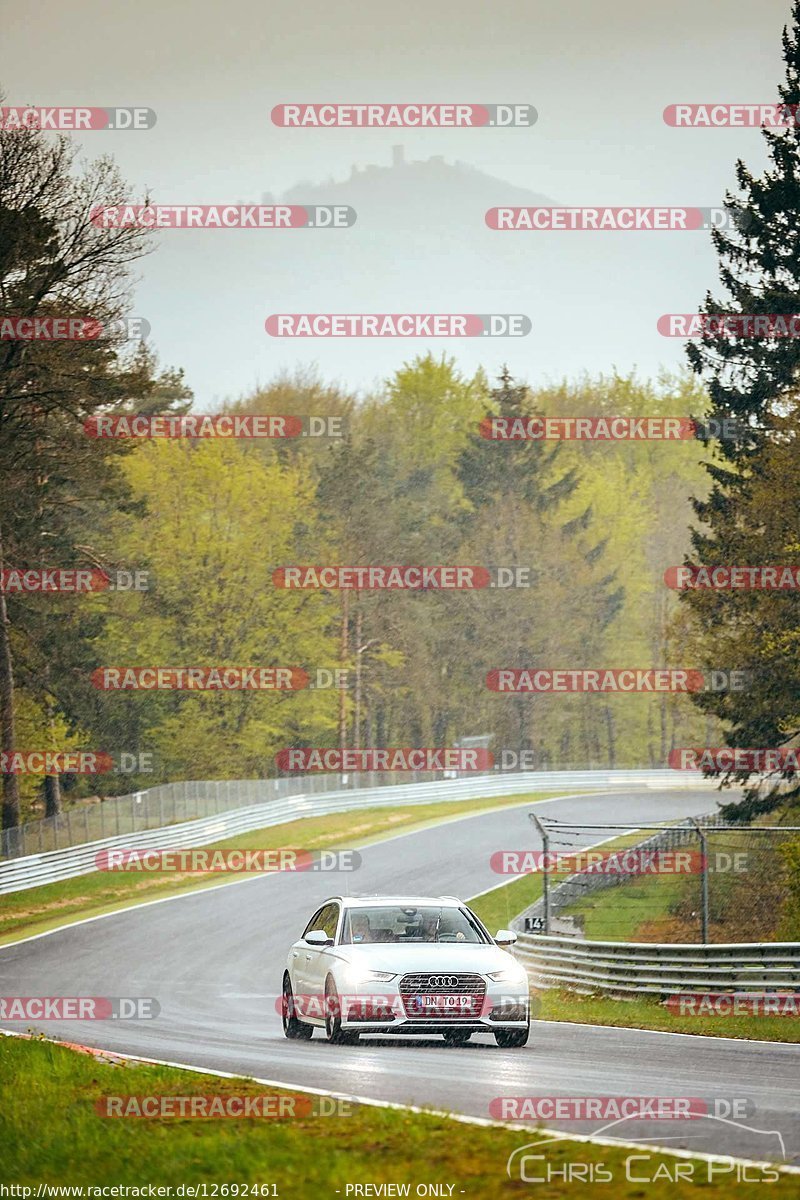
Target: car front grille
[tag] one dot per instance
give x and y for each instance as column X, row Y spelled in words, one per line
column 451, row 995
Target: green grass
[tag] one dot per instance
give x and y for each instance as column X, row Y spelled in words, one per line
column 52, row 1134
column 615, row 915
column 645, row 1013
column 42, row 908
column 743, row 907
column 500, row 905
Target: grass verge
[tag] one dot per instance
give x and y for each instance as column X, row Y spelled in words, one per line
column 499, row 906
column 52, row 1134
column 43, row 908
column 645, row 1013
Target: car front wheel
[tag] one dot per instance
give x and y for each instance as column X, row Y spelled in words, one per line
column 333, row 1018
column 293, row 1028
column 512, row 1039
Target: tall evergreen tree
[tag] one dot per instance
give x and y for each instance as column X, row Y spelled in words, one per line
column 759, row 268
column 751, row 514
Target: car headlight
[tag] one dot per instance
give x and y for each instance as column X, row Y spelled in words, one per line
column 374, row 976
column 508, row 975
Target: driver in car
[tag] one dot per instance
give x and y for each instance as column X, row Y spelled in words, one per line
column 448, row 932
column 360, row 930
column 428, row 928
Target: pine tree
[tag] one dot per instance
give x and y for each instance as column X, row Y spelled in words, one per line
column 759, row 268
column 751, row 515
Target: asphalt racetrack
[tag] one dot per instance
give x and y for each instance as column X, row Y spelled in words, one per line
column 214, row 961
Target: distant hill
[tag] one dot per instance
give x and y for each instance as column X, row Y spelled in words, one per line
column 414, row 195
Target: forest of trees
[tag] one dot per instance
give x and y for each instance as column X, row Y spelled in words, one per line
column 412, row 481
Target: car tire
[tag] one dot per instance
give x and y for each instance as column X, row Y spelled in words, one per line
column 512, row 1039
column 293, row 1028
column 455, row 1037
column 333, row 1019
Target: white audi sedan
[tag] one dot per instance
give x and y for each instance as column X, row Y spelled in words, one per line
column 402, row 964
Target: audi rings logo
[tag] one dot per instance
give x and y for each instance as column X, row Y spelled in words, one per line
column 443, row 981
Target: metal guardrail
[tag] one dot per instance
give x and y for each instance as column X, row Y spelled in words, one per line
column 188, row 800
column 657, row 969
column 33, row 870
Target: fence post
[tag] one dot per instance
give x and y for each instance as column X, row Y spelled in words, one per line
column 545, row 870
column 703, row 881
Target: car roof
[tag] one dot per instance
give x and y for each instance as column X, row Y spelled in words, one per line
column 402, row 901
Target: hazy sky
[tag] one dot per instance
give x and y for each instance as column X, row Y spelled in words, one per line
column 599, row 74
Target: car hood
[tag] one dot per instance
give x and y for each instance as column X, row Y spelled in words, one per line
column 425, row 956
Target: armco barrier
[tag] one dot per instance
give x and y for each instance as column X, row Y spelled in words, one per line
column 32, row 870
column 625, row 968
column 189, row 800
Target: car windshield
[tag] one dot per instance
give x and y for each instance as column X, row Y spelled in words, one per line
column 406, row 923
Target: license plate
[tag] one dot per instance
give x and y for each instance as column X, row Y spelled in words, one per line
column 437, row 1003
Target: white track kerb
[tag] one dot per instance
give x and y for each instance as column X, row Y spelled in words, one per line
column 555, row 1135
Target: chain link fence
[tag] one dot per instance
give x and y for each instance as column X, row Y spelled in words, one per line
column 167, row 804
column 698, row 881
column 172, row 803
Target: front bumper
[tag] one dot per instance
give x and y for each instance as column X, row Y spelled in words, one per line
column 386, row 1008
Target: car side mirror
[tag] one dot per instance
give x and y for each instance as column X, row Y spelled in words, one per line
column 505, row 937
column 317, row 937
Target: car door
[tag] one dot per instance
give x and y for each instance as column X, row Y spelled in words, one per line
column 318, row 962
column 301, row 957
